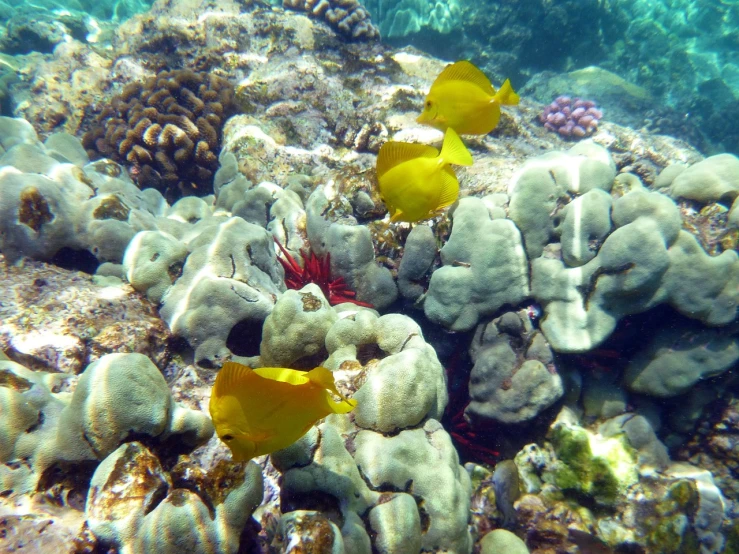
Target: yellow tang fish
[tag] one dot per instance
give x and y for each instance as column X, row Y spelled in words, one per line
column 416, row 180
column 463, row 98
column 259, row 411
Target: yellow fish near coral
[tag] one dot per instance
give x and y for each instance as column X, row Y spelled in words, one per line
column 463, row 98
column 259, row 411
column 416, row 180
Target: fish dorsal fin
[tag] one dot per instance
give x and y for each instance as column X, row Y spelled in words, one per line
column 283, row 375
column 453, row 151
column 506, row 95
column 465, row 71
column 325, row 379
column 230, row 377
column 393, row 153
column 449, row 188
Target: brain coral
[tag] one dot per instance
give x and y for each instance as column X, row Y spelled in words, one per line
column 168, row 129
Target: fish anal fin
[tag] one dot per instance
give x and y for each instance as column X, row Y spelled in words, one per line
column 449, row 188
column 394, row 153
column 465, row 71
column 453, row 151
column 506, row 95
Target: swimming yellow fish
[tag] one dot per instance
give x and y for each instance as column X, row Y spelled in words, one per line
column 259, row 411
column 416, row 180
column 463, row 98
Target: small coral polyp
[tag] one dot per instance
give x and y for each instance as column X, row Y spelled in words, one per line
column 168, row 130
column 316, row 270
column 571, row 117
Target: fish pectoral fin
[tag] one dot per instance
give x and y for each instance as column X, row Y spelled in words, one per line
column 465, row 71
column 487, row 120
column 394, row 153
column 397, row 216
column 449, row 188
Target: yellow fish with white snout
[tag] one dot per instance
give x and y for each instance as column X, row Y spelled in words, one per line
column 415, row 180
column 259, row 411
column 463, row 98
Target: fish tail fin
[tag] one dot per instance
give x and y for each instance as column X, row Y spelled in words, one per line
column 325, row 379
column 343, row 407
column 453, row 151
column 506, row 95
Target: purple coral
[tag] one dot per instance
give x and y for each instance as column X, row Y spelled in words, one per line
column 571, row 117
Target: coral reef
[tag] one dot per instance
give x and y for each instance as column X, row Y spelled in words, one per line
column 602, row 279
column 613, row 466
column 394, row 437
column 54, row 200
column 135, row 506
column 507, row 386
column 484, row 268
column 347, row 17
column 571, row 117
column 116, row 396
column 167, row 129
column 230, row 281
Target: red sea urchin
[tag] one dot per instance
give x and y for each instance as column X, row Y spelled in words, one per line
column 316, row 270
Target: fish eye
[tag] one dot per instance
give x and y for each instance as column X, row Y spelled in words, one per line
column 428, row 103
column 227, row 437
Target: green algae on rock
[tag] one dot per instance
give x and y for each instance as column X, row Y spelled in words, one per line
column 598, row 467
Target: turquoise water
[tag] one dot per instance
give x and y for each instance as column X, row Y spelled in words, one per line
column 684, row 54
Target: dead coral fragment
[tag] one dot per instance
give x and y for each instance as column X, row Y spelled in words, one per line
column 168, row 129
column 347, row 17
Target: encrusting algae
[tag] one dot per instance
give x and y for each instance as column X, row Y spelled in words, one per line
column 259, row 411
column 462, row 98
column 416, row 181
